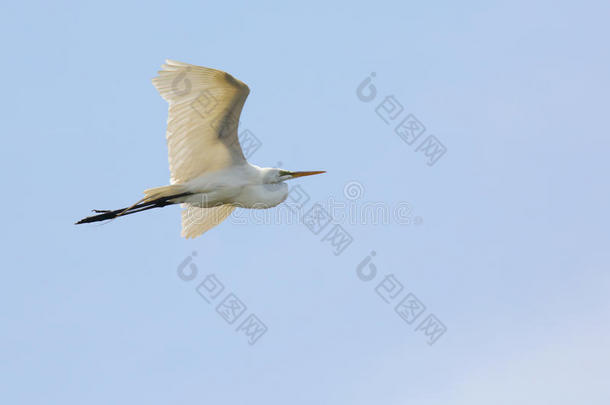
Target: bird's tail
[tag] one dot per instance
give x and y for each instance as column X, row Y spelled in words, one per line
column 154, row 198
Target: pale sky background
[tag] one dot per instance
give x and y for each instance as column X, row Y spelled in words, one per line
column 512, row 254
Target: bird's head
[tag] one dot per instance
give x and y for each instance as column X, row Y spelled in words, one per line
column 273, row 175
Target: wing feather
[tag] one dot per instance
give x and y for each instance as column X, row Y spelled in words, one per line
column 196, row 221
column 204, row 109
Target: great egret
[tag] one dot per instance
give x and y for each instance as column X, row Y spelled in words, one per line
column 210, row 176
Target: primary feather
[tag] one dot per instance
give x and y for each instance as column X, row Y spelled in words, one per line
column 204, row 109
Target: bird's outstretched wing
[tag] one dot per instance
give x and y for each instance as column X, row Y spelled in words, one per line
column 196, row 221
column 204, row 109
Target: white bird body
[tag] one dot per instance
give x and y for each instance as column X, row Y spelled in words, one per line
column 241, row 186
column 210, row 176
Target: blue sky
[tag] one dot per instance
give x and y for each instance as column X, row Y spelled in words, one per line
column 507, row 244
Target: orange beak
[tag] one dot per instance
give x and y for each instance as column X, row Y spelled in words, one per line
column 303, row 174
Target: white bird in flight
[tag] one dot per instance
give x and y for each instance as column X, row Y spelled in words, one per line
column 210, row 176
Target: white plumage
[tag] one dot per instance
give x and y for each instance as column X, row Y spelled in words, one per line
column 209, row 174
column 204, row 109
